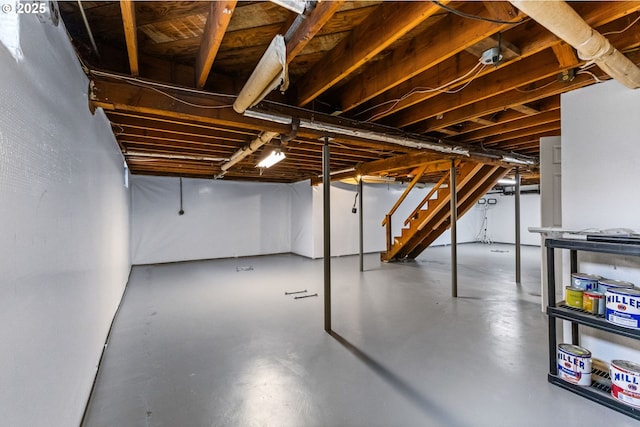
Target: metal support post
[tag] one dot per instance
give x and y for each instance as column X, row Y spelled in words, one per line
column 517, row 203
column 360, row 185
column 454, row 237
column 326, row 187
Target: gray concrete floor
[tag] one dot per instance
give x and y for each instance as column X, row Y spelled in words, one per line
column 203, row 344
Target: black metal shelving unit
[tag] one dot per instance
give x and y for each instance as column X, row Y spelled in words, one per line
column 597, row 392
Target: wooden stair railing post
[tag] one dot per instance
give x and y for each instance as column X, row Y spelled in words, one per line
column 389, row 233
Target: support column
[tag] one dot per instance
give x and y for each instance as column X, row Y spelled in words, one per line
column 360, row 204
column 517, row 202
column 454, row 230
column 326, row 188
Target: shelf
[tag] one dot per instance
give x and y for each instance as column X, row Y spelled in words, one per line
column 563, row 311
column 600, row 389
column 591, row 246
column 597, row 392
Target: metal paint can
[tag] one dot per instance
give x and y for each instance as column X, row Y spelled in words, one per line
column 586, row 282
column 574, row 364
column 623, row 307
column 593, row 302
column 625, row 382
column 574, row 297
column 605, row 284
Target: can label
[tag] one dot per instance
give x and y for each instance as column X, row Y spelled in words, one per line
column 586, row 282
column 625, row 382
column 574, row 297
column 574, row 364
column 623, row 307
column 593, row 302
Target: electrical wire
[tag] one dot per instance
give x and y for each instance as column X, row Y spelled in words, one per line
column 476, row 17
column 478, row 68
column 538, row 88
column 596, row 78
column 624, row 29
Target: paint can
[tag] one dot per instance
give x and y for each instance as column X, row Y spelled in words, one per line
column 623, row 307
column 574, row 297
column 574, row 364
column 593, row 302
column 586, row 282
column 605, row 284
column 625, row 382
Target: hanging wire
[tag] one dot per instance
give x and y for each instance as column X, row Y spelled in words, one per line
column 478, row 68
column 476, row 17
column 624, row 29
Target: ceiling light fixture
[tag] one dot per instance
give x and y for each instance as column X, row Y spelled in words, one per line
column 507, row 181
column 274, row 157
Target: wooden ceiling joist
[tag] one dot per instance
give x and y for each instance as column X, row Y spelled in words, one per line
column 374, row 34
column 128, row 9
column 310, row 26
column 446, row 38
column 220, row 13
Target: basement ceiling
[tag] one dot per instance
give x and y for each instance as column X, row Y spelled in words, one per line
column 166, row 74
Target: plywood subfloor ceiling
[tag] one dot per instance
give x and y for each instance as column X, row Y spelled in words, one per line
column 166, row 74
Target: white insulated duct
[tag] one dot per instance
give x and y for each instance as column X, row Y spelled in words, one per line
column 270, row 72
column 261, row 140
column 559, row 18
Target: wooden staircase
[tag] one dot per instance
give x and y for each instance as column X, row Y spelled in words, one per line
column 433, row 215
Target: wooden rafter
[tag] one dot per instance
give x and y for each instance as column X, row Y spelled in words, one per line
column 128, row 10
column 518, row 73
column 529, row 37
column 525, row 122
column 374, row 34
column 310, row 27
column 446, row 38
column 220, row 13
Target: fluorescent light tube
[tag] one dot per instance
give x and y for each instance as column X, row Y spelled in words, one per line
column 507, row 181
column 271, row 159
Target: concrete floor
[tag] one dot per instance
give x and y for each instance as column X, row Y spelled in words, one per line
column 217, row 343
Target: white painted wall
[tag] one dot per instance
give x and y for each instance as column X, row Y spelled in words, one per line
column 302, row 219
column 64, row 258
column 600, row 175
column 501, row 222
column 221, row 219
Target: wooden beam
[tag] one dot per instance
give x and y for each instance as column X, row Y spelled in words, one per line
column 530, row 37
column 383, row 27
column 310, row 27
column 498, row 103
column 405, row 161
column 220, row 13
column 566, row 54
column 128, row 9
column 518, row 73
column 446, row 38
column 501, row 10
column 532, row 130
column 525, row 122
column 204, row 109
column 525, row 109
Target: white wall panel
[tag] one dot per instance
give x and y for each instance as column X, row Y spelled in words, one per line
column 64, row 258
column 501, row 226
column 302, row 219
column 221, row 219
column 600, row 175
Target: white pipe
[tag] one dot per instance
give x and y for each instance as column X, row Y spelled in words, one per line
column 559, row 18
column 270, row 72
column 261, row 140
